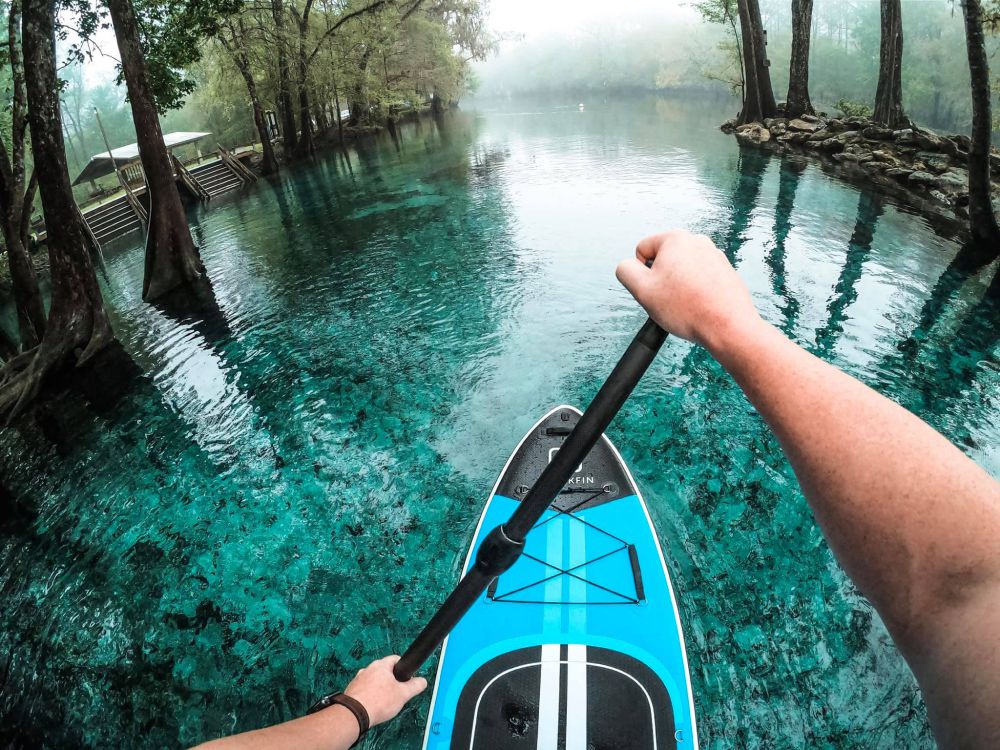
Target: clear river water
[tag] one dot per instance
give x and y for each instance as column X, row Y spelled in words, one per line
column 287, row 488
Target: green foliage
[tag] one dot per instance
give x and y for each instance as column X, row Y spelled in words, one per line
column 171, row 31
column 853, row 109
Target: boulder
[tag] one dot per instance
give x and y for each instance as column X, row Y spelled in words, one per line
column 927, row 141
column 793, row 137
column 831, row 145
column 947, row 146
column 728, row 126
column 820, row 135
column 920, row 177
column 954, row 182
column 962, row 199
column 905, row 135
column 855, row 123
column 847, row 156
column 779, row 128
column 933, row 162
column 876, row 133
column 835, row 125
column 939, row 196
column 881, row 155
column 753, row 133
column 803, row 125
column 770, row 122
column 995, row 162
column 898, row 173
column 962, row 141
column 810, row 118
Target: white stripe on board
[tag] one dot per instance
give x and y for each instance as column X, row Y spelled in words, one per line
column 548, row 698
column 576, row 698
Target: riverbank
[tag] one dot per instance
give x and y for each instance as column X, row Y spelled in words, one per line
column 927, row 170
column 324, row 141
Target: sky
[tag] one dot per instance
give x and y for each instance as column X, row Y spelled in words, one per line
column 529, row 17
column 526, row 17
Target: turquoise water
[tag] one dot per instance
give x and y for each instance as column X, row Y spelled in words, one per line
column 287, row 488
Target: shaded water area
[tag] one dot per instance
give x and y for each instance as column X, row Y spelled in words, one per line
column 287, row 489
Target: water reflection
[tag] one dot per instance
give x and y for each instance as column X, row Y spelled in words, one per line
column 750, row 170
column 870, row 208
column 789, row 173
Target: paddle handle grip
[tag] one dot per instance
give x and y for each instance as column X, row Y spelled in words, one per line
column 504, row 544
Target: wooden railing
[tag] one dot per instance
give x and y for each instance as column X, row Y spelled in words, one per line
column 189, row 180
column 95, row 246
column 133, row 201
column 236, row 166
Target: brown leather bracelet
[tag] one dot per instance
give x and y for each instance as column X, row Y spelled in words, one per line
column 351, row 704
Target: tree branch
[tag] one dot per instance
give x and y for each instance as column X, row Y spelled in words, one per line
column 344, row 19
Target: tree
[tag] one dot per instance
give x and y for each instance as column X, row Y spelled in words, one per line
column 17, row 194
column 982, row 218
column 289, row 135
column 797, row 101
column 171, row 256
column 234, row 38
column 889, row 92
column 77, row 319
column 758, row 97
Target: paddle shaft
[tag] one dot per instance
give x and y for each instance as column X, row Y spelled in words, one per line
column 504, row 544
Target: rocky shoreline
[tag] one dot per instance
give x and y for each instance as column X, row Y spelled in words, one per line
column 929, row 169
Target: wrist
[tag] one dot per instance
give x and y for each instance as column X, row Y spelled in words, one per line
column 345, row 720
column 727, row 339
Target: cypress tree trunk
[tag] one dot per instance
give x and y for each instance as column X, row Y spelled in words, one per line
column 982, row 219
column 305, row 147
column 269, row 162
column 758, row 99
column 171, row 256
column 286, row 108
column 16, row 198
column 889, row 93
column 797, row 102
column 24, row 284
column 357, row 102
column 236, row 48
column 77, row 320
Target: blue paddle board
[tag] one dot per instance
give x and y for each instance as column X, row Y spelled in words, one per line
column 579, row 645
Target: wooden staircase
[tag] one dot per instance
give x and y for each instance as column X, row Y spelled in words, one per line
column 112, row 220
column 216, row 177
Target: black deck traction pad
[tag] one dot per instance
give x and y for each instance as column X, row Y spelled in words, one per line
column 502, row 697
column 601, row 472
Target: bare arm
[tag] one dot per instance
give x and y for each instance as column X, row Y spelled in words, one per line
column 913, row 521
column 333, row 728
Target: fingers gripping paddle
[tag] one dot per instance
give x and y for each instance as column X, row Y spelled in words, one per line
column 504, row 544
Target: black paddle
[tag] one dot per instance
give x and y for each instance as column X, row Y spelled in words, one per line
column 502, row 546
